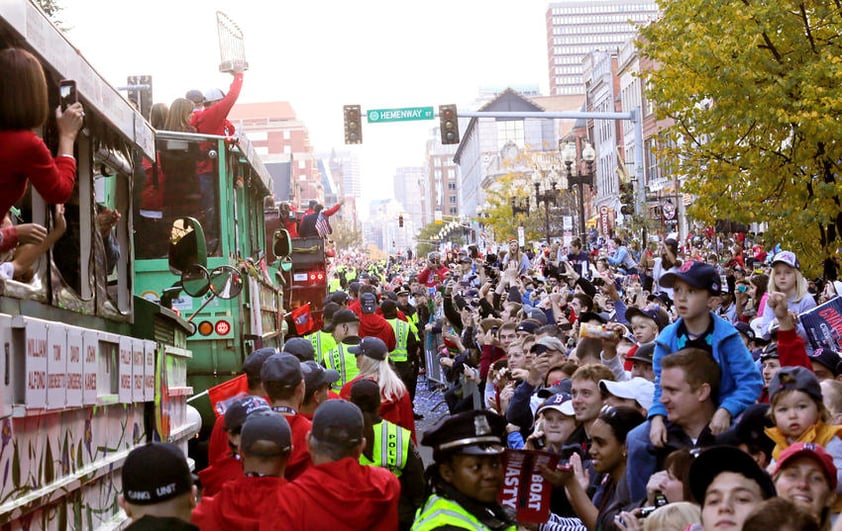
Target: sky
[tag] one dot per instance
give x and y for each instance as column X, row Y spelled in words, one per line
column 322, row 54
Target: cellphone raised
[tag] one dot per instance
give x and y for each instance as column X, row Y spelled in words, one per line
column 67, row 93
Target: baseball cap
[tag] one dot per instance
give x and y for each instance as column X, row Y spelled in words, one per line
column 551, row 343
column 528, row 325
column 816, row 451
column 342, row 316
column 154, row 473
column 795, row 379
column 657, row 314
column 370, row 346
column 316, row 376
column 788, row 258
column 214, row 94
column 638, row 389
column 745, row 329
column 828, row 358
column 474, row 432
column 254, row 361
column 300, row 348
column 561, row 402
column 698, row 274
column 365, row 393
column 266, row 434
column 644, row 353
column 536, row 314
column 339, row 297
column 718, row 459
column 240, row 409
column 283, row 369
column 195, row 96
column 389, row 308
column 338, row 422
column 368, row 302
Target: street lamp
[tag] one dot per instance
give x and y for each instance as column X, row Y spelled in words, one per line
column 549, row 195
column 569, row 154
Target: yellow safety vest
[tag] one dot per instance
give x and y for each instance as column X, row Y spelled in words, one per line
column 339, row 359
column 392, row 454
column 334, row 285
column 438, row 512
column 322, row 342
column 402, row 330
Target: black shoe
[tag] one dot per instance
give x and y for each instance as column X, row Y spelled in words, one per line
column 418, row 416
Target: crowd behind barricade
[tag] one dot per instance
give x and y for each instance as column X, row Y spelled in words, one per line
column 675, row 386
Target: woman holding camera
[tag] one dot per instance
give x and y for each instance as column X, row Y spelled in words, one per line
column 24, row 157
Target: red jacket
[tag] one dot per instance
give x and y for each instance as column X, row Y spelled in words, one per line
column 791, row 353
column 220, row 473
column 218, row 442
column 431, row 278
column 214, row 120
column 23, row 158
column 238, row 505
column 338, row 496
column 375, row 325
column 299, row 460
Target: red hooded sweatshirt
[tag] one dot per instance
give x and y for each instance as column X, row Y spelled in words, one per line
column 375, row 325
column 340, row 496
column 238, row 505
column 220, row 473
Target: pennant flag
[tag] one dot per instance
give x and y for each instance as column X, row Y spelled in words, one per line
column 303, row 319
column 219, row 395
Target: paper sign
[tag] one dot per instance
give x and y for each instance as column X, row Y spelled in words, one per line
column 75, row 354
column 36, row 364
column 823, row 325
column 524, row 489
column 138, row 366
column 90, row 344
column 56, row 366
column 124, row 388
column 149, row 371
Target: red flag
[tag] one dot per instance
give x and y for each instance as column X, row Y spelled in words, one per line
column 219, row 394
column 303, row 319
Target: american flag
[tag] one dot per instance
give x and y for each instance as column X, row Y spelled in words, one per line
column 323, row 226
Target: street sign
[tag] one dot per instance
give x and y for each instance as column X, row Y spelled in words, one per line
column 405, row 114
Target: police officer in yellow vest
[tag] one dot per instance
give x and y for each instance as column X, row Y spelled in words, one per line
column 389, row 446
column 405, row 353
column 323, row 341
column 467, row 474
column 345, row 327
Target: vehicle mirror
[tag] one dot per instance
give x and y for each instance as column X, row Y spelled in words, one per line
column 226, row 282
column 187, row 245
column 195, row 280
column 281, row 244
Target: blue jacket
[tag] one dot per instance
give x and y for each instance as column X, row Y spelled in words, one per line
column 741, row 382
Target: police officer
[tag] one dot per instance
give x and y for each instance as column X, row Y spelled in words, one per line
column 467, row 474
column 390, row 446
column 405, row 353
column 345, row 327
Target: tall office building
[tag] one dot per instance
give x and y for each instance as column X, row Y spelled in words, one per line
column 577, row 27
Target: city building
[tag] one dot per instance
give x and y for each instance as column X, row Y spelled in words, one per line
column 409, row 186
column 578, row 27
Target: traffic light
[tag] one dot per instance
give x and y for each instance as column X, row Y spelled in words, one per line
column 353, row 125
column 400, row 220
column 626, row 198
column 449, row 123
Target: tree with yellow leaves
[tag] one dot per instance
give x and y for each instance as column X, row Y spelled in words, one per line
column 754, row 90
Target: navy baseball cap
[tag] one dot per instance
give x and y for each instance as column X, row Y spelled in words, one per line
column 698, row 274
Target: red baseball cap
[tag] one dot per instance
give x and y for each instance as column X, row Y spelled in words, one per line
column 817, row 452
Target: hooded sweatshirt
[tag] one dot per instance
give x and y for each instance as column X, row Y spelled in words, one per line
column 375, row 325
column 220, row 473
column 238, row 505
column 341, row 496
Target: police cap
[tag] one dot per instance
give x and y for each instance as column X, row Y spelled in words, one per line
column 475, row 432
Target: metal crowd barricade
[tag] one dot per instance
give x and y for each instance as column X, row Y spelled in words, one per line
column 231, row 49
column 432, row 345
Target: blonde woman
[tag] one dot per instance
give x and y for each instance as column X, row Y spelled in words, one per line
column 372, row 362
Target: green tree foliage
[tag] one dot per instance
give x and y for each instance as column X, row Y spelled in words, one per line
column 753, row 88
column 52, row 9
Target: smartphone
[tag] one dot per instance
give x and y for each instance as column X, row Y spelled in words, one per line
column 67, row 93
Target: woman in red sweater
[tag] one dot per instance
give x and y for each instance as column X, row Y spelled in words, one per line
column 23, row 155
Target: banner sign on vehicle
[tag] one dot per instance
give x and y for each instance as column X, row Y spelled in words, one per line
column 524, row 489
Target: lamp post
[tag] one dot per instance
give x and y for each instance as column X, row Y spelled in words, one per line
column 549, row 195
column 569, row 154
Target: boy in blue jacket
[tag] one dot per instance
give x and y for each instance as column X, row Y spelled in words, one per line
column 694, row 285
